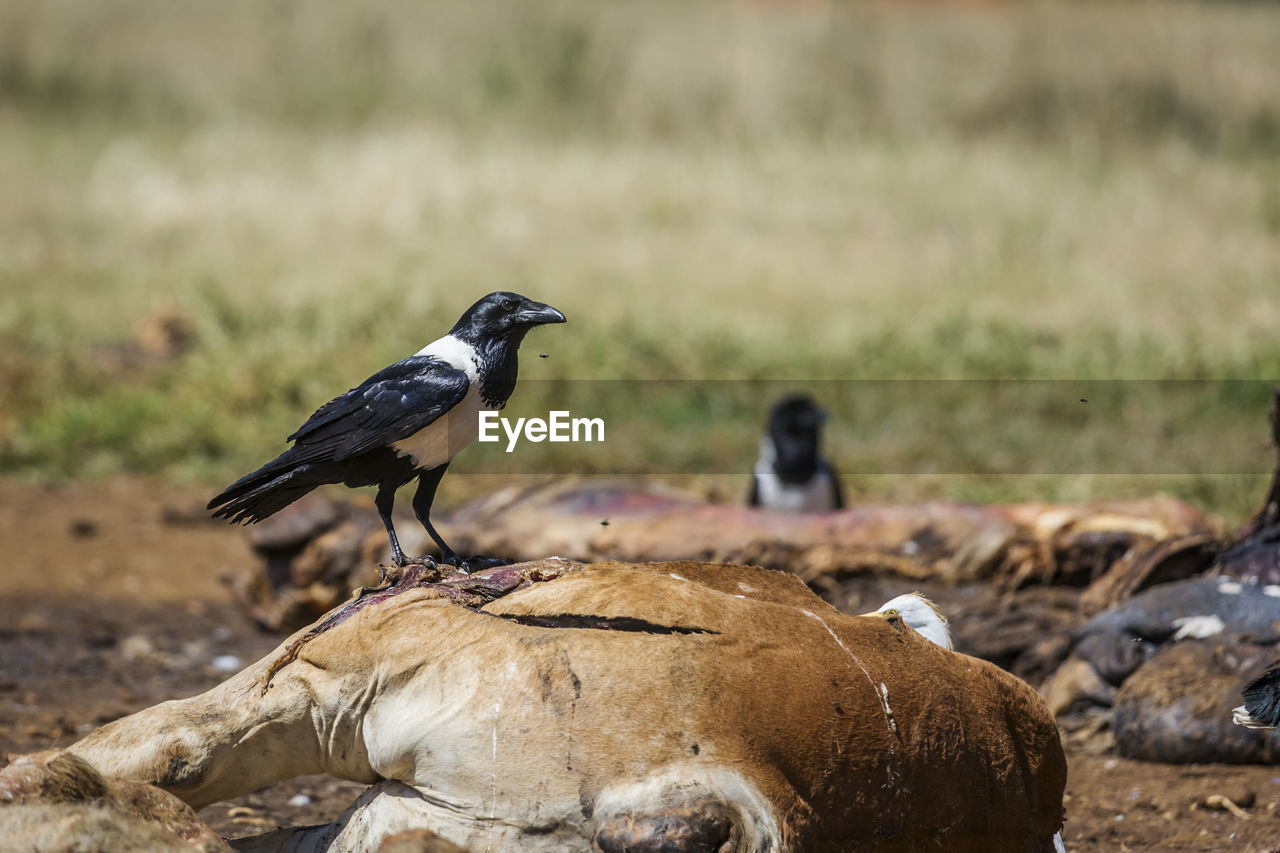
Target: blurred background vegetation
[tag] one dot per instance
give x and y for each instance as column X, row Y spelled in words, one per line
column 213, row 217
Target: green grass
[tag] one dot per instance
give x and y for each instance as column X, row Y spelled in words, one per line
column 711, row 191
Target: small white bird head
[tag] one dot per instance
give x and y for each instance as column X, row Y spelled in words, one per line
column 921, row 614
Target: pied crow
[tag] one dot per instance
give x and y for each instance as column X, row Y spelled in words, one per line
column 407, row 420
column 790, row 475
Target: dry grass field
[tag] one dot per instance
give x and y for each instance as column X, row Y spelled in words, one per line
column 214, row 217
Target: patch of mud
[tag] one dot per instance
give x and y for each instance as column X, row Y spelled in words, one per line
column 69, row 665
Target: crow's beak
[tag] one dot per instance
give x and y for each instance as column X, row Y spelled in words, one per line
column 537, row 314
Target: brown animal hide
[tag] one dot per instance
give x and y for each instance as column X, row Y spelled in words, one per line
column 1027, row 633
column 676, row 706
column 1076, row 682
column 1174, row 559
column 55, row 801
column 1013, row 545
column 1177, row 707
column 417, row 841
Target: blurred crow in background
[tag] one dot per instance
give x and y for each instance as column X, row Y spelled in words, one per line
column 790, row 475
column 407, row 420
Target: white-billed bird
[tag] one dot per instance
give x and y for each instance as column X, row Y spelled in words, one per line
column 407, row 420
column 921, row 614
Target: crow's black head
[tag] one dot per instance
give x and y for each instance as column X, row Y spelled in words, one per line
column 794, row 424
column 795, row 416
column 503, row 315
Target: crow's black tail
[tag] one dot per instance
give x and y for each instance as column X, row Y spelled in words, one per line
column 1262, row 698
column 266, row 491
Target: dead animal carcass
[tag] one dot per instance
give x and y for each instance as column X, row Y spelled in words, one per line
column 560, row 706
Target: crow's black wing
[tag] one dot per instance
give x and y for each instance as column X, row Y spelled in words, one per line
column 389, row 406
column 1262, row 697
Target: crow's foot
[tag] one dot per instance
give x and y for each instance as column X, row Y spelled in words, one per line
column 395, row 574
column 469, row 565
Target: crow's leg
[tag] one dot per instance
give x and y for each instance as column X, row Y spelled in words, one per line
column 384, row 501
column 428, row 482
column 479, row 563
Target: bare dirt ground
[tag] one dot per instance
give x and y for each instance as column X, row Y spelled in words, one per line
column 112, row 599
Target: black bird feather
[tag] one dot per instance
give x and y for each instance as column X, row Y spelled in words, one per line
column 1262, row 697
column 389, row 406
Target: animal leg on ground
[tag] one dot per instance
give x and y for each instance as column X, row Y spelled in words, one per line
column 227, row 742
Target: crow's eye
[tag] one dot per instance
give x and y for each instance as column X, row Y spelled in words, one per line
column 508, row 304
